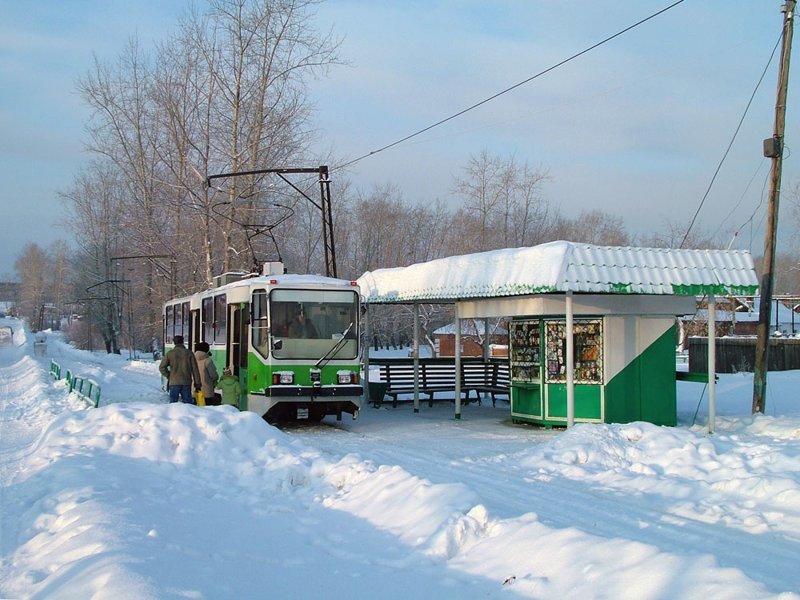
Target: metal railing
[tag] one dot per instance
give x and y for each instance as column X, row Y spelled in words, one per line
column 83, row 386
column 55, row 370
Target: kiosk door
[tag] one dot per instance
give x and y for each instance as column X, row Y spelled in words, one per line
column 588, row 371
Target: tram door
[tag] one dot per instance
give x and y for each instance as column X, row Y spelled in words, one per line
column 237, row 337
column 194, row 329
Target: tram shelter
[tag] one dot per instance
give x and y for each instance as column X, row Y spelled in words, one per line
column 591, row 328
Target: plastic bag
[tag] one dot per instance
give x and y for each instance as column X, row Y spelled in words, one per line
column 200, row 398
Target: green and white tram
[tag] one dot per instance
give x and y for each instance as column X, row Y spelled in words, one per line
column 292, row 340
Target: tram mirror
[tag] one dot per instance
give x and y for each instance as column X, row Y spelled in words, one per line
column 277, row 344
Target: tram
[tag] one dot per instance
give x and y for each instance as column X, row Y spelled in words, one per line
column 292, row 340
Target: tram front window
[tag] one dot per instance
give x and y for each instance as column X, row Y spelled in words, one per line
column 307, row 324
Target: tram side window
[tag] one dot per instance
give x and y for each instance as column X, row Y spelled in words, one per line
column 220, row 319
column 260, row 323
column 184, row 330
column 176, row 320
column 208, row 319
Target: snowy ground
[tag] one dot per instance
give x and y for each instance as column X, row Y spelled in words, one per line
column 140, row 499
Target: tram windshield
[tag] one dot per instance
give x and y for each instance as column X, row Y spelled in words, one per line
column 308, row 324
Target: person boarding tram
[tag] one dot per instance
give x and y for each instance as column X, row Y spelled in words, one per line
column 179, row 367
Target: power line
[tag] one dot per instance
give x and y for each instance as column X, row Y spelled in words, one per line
column 508, row 89
column 753, row 215
column 755, row 211
column 739, row 203
column 730, row 145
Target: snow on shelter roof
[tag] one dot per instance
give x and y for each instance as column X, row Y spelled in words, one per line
column 563, row 267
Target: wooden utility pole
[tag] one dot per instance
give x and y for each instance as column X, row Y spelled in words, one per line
column 773, row 148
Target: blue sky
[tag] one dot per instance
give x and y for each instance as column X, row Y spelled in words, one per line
column 636, row 127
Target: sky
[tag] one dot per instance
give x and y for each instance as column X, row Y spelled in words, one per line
column 635, row 127
column 140, row 499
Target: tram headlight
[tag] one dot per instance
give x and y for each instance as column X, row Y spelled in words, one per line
column 283, row 378
column 347, row 377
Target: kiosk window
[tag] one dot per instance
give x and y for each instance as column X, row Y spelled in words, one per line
column 588, row 337
column 526, row 358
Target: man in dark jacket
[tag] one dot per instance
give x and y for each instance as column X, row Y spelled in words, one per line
column 180, row 368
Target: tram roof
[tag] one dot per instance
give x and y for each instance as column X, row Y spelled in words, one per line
column 287, row 279
column 563, row 266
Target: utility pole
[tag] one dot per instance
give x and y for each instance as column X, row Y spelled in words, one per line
column 773, row 148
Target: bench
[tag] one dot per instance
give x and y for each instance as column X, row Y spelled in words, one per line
column 433, row 378
column 485, row 378
column 438, row 376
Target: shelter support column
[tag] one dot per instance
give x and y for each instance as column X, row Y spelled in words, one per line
column 365, row 381
column 458, row 362
column 712, row 362
column 486, row 340
column 416, row 357
column 570, row 360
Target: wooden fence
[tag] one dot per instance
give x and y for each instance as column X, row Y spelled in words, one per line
column 735, row 354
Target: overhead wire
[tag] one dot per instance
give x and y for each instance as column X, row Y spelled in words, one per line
column 508, row 89
column 730, row 144
column 504, row 91
column 755, row 211
column 738, row 204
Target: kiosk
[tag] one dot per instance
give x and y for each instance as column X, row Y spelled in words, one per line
column 607, row 386
column 591, row 328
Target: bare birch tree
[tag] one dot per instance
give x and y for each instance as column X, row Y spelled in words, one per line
column 98, row 205
column 592, row 227
column 31, row 269
column 503, row 200
column 261, row 55
column 227, row 92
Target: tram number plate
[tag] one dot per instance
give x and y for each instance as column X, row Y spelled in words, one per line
column 302, row 413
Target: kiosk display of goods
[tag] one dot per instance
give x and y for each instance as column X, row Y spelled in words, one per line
column 538, row 388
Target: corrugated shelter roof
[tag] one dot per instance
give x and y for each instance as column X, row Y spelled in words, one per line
column 565, row 267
